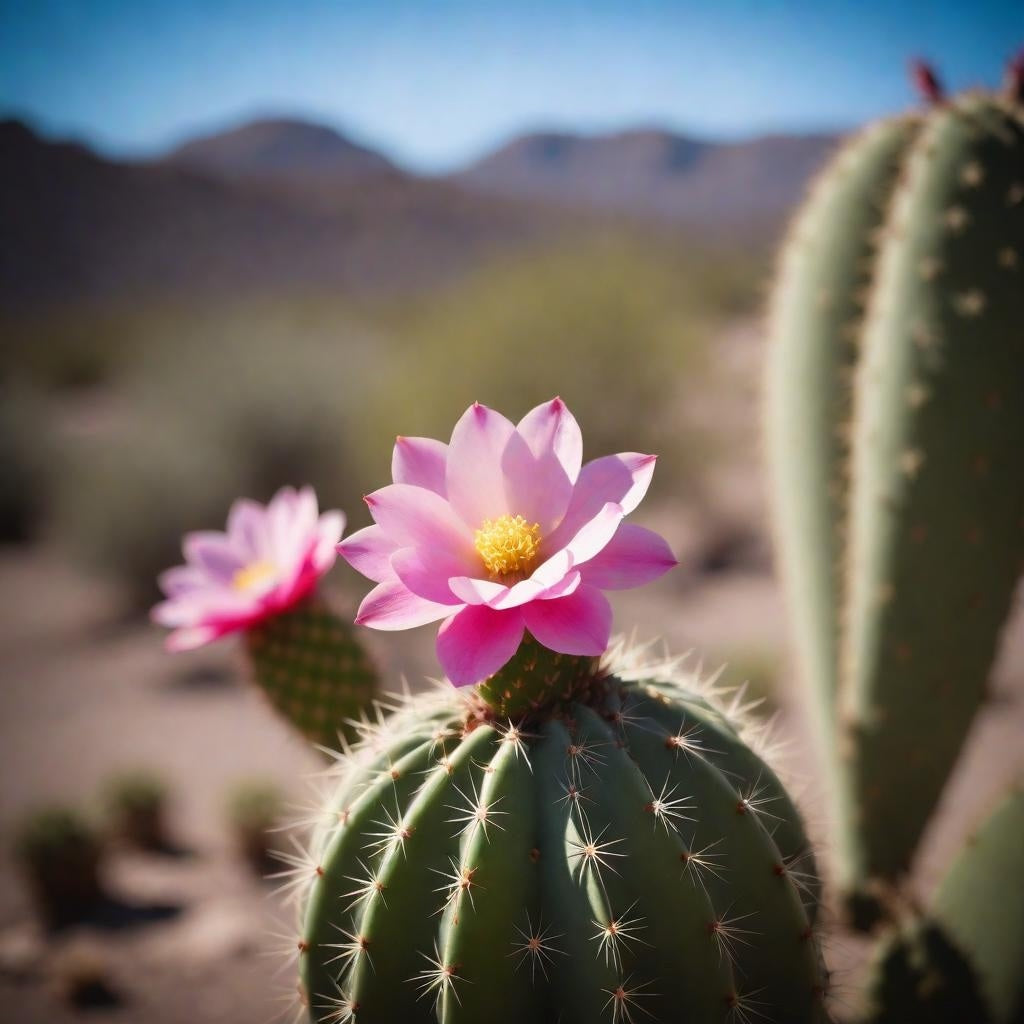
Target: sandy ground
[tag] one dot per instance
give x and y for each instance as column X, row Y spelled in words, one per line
column 197, row 935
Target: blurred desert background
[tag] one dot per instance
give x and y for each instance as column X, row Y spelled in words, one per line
column 270, row 301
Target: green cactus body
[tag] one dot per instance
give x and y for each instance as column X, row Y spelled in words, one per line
column 817, row 314
column 963, row 961
column 980, row 905
column 934, row 506
column 919, row 977
column 313, row 670
column 592, row 860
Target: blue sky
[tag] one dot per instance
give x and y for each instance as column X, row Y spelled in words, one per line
column 434, row 84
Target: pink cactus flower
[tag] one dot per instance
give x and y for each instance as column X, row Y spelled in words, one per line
column 501, row 532
column 269, row 559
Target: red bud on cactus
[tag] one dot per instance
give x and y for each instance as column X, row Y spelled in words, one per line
column 1014, row 79
column 926, row 82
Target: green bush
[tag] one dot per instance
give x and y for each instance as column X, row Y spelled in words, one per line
column 60, row 853
column 26, row 450
column 254, row 809
column 136, row 805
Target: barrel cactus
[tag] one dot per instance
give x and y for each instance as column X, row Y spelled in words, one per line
column 563, row 831
column 617, row 854
column 570, row 836
column 895, row 427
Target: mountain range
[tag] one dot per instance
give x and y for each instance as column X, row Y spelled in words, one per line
column 286, row 203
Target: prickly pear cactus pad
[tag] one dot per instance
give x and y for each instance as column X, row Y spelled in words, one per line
column 896, row 428
column 618, row 854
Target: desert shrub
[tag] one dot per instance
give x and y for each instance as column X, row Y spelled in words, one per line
column 123, row 503
column 136, row 805
column 26, row 449
column 615, row 328
column 254, row 808
column 59, row 852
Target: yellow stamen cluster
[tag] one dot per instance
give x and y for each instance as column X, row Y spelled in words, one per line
column 508, row 544
column 251, row 576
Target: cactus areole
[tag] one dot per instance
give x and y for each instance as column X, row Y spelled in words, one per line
column 572, row 841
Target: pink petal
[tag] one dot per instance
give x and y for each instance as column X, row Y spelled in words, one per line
column 191, row 638
column 369, row 551
column 475, row 591
column 247, row 528
column 328, row 530
column 475, row 642
column 391, row 605
column 595, row 534
column 420, row 461
column 501, row 598
column 552, row 428
column 578, row 624
column 415, row 517
column 182, row 579
column 633, row 557
column 622, row 479
column 536, row 590
column 537, row 486
column 212, row 552
column 475, row 480
column 426, row 572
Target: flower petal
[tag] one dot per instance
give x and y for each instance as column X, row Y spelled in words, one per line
column 535, row 590
column 475, row 480
column 182, row 579
column 420, row 461
column 537, row 484
column 578, row 624
column 476, row 591
column 633, row 557
column 415, row 517
column 595, row 534
column 622, row 479
column 212, row 552
column 327, row 532
column 190, row 638
column 247, row 529
column 391, row 605
column 426, row 573
column 552, row 428
column 475, row 642
column 369, row 551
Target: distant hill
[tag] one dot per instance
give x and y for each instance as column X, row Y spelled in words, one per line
column 656, row 173
column 75, row 226
column 286, row 204
column 280, row 148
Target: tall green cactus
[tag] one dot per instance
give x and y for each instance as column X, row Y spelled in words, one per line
column 614, row 854
column 895, row 431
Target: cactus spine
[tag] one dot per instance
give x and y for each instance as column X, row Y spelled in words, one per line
column 920, row 224
column 609, row 856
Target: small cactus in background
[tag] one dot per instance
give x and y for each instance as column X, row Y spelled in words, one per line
column 253, row 810
column 260, row 578
column 60, row 853
column 895, row 430
column 136, row 806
